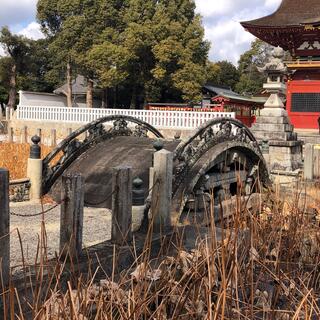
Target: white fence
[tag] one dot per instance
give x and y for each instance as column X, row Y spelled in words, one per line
column 158, row 119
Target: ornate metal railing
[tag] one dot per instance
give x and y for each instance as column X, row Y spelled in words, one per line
column 104, row 128
column 212, row 133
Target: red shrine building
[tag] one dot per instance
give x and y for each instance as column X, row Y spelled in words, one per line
column 295, row 27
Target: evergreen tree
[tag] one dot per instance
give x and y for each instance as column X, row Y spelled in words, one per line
column 251, row 80
column 18, row 50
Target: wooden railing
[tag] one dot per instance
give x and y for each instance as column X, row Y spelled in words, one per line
column 156, row 118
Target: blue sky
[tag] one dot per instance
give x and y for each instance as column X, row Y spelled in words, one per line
column 220, row 17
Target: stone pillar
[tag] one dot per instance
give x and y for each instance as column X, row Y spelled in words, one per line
column 34, row 169
column 308, row 161
column 121, row 205
column 71, row 218
column 4, row 225
column 162, row 190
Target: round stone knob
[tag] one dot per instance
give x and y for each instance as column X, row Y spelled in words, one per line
column 36, row 139
column 137, row 183
column 158, row 145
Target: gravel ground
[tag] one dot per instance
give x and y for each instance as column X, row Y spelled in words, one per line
column 96, row 229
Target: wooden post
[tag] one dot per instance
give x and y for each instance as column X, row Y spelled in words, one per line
column 53, row 138
column 4, row 225
column 121, row 205
column 162, row 190
column 24, row 135
column 308, row 161
column 71, row 218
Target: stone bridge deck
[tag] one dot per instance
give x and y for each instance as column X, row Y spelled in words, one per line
column 96, row 166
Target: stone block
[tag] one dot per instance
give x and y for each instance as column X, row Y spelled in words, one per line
column 275, row 120
column 270, row 127
column 274, row 112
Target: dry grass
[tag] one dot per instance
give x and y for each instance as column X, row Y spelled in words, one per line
column 265, row 267
column 14, row 157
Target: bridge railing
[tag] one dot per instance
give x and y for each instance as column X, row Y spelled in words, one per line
column 157, row 118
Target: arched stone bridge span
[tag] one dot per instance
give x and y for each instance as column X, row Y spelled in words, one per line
column 220, row 154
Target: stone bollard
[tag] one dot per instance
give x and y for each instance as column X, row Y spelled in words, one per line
column 53, row 138
column 162, row 190
column 69, row 131
column 4, row 226
column 24, row 135
column 71, row 217
column 309, row 161
column 121, row 205
column 34, row 169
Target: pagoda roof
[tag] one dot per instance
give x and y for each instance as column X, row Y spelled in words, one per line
column 290, row 13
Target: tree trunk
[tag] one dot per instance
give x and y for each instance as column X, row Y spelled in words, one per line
column 13, row 87
column 69, row 85
column 104, row 98
column 89, row 93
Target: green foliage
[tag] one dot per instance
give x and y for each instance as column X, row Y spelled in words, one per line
column 251, row 80
column 222, row 73
column 153, row 48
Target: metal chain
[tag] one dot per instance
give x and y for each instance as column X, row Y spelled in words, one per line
column 36, row 214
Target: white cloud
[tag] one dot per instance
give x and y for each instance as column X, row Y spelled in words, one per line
column 17, row 12
column 222, row 24
column 32, row 31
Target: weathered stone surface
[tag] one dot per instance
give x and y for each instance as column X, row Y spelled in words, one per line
column 273, row 112
column 275, row 120
column 273, row 127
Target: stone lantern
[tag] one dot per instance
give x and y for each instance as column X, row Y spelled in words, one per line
column 273, row 125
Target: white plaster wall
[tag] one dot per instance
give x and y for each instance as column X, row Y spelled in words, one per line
column 42, row 99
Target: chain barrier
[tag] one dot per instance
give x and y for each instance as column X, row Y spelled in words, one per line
column 37, row 214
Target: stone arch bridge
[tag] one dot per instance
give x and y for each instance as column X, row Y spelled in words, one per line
column 218, row 157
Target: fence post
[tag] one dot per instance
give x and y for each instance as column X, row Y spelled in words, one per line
column 53, row 138
column 24, row 135
column 4, row 225
column 162, row 189
column 34, row 169
column 7, row 113
column 71, row 217
column 308, row 161
column 316, row 163
column 39, row 132
column 10, row 134
column 121, row 205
